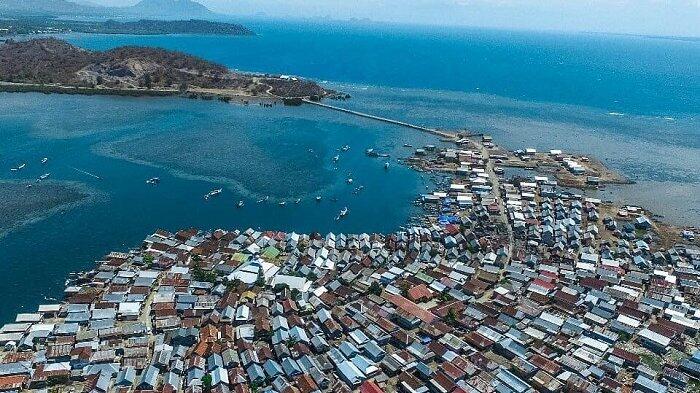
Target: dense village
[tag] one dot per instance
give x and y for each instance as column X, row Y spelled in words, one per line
column 506, row 286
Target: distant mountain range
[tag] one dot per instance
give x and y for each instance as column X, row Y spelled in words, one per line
column 155, row 9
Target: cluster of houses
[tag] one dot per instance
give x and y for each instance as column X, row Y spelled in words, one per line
column 509, row 287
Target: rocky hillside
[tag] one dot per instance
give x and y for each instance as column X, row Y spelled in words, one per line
column 52, row 61
column 155, row 9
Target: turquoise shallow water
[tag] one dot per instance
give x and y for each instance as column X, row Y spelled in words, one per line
column 634, row 102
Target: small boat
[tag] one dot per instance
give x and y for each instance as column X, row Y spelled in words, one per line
column 297, row 201
column 28, row 186
column 19, row 168
column 344, row 212
column 384, row 155
column 213, row 193
column 153, row 180
column 240, row 204
column 371, row 153
column 498, row 170
column 318, row 198
column 336, row 158
column 43, row 177
column 407, row 145
column 283, row 203
column 349, row 181
column 345, row 148
column 386, row 165
column 44, row 160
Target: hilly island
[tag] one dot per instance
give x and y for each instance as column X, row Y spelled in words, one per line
column 54, row 66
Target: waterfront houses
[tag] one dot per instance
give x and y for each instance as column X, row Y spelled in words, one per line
column 506, row 286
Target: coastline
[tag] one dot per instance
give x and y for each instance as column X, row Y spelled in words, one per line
column 482, row 266
column 192, row 93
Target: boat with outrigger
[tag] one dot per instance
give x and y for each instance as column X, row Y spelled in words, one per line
column 343, row 213
column 18, row 168
column 373, row 153
column 263, row 199
column 213, row 193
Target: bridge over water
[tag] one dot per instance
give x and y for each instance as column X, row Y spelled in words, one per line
column 434, row 131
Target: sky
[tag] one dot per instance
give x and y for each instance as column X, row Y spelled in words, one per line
column 652, row 17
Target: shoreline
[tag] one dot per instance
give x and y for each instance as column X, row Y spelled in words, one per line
column 194, row 93
column 483, row 266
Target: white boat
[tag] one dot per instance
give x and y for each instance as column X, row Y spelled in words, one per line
column 240, row 203
column 343, row 213
column 19, row 168
column 318, row 198
column 283, row 203
column 297, row 201
column 349, row 180
column 44, row 160
column 213, row 193
column 153, row 180
column 44, row 176
column 386, row 165
column 336, row 158
column 345, row 148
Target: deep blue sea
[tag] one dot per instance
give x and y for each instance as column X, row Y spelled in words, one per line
column 632, row 101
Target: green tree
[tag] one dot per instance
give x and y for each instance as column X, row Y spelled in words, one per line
column 375, row 288
column 148, row 260
column 451, row 318
column 206, row 383
column 260, row 282
column 147, row 81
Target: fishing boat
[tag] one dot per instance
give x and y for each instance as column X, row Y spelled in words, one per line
column 213, row 193
column 19, row 168
column 44, row 176
column 44, row 160
column 240, row 204
column 153, row 180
